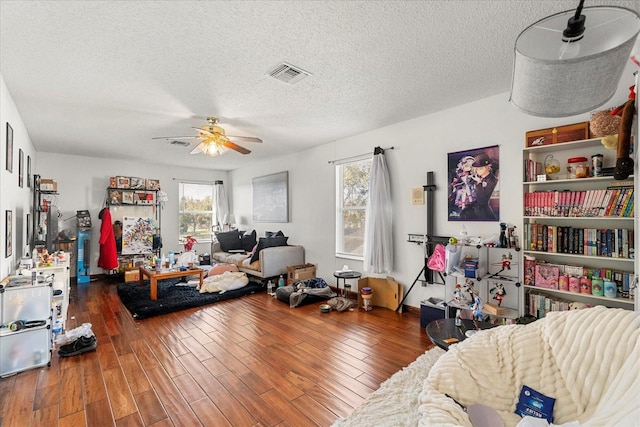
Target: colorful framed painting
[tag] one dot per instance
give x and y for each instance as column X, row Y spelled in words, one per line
column 474, row 190
column 9, row 163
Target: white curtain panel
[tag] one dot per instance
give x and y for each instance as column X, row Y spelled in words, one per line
column 378, row 239
column 221, row 204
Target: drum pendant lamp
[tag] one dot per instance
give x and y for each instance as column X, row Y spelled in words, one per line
column 571, row 62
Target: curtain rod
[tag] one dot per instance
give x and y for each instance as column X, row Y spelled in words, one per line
column 355, row 157
column 194, row 181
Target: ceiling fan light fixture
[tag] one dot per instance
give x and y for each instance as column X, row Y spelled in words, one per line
column 571, row 62
column 213, row 148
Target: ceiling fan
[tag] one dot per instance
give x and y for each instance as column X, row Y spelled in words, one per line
column 214, row 140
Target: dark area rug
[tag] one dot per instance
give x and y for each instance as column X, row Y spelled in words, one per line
column 173, row 296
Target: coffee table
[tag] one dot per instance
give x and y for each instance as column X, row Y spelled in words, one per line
column 154, row 276
column 444, row 332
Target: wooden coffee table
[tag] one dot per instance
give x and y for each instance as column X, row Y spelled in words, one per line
column 154, row 276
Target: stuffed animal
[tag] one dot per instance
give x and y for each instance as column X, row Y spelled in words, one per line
column 575, row 305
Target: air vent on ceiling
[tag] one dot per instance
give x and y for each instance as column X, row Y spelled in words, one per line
column 180, row 143
column 288, row 73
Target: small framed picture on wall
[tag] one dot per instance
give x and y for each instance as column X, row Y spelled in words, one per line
column 20, row 168
column 8, row 243
column 29, row 171
column 9, row 140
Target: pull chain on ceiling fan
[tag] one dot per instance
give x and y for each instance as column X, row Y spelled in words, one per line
column 214, row 140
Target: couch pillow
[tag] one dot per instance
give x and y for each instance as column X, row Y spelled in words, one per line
column 278, row 233
column 229, row 240
column 268, row 242
column 249, row 240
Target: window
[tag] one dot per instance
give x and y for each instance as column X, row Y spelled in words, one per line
column 196, row 211
column 353, row 191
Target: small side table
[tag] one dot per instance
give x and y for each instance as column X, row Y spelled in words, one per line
column 444, row 332
column 345, row 275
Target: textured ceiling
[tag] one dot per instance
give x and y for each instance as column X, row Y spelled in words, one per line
column 101, row 78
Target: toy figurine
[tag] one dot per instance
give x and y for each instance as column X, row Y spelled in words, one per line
column 504, row 243
column 477, row 307
column 468, row 287
column 458, row 296
column 498, row 293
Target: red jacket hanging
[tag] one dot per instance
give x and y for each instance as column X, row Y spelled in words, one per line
column 108, row 256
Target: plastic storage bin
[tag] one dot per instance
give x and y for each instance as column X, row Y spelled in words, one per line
column 24, row 349
column 31, row 302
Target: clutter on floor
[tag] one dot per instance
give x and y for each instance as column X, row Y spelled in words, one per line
column 77, row 341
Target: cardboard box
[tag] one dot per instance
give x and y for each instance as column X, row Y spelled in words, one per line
column 132, row 276
column 48, row 185
column 493, row 309
column 557, row 135
column 386, row 293
column 297, row 273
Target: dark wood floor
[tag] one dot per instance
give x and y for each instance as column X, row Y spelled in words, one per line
column 244, row 362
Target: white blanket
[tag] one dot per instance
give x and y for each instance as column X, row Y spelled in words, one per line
column 588, row 360
column 227, row 281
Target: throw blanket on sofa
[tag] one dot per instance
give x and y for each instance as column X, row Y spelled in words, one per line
column 588, row 360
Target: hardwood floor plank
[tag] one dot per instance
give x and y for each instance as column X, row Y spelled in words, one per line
column 138, row 382
column 321, row 415
column 45, row 417
column 251, row 361
column 71, row 400
column 189, row 388
column 150, row 407
column 281, row 405
column 76, row 419
column 208, row 413
column 46, row 396
column 20, row 405
column 175, row 405
column 99, row 414
column 120, row 398
column 132, row 420
column 93, row 382
column 253, row 403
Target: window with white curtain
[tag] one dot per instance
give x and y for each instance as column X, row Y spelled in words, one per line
column 196, row 211
column 352, row 191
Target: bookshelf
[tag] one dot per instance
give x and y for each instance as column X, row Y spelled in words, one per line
column 584, row 226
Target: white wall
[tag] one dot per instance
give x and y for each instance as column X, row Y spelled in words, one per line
column 83, row 182
column 13, row 198
column 421, row 145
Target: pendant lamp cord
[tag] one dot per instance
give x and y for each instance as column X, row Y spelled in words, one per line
column 575, row 26
column 579, row 10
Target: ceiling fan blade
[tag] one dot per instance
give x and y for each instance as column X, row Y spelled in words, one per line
column 199, row 148
column 168, row 138
column 236, row 147
column 244, row 138
column 203, row 131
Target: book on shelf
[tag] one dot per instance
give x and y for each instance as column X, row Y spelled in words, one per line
column 610, row 202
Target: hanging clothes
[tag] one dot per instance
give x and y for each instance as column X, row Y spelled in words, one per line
column 108, row 259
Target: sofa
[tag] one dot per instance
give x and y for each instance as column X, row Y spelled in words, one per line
column 272, row 261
